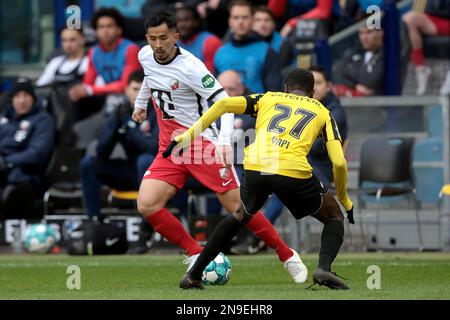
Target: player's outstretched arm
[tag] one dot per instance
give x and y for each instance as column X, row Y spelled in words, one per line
column 226, row 105
column 336, row 155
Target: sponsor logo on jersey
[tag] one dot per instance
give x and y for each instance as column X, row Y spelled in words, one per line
column 208, row 81
column 174, row 84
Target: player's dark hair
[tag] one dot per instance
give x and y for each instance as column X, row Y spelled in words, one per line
column 108, row 12
column 242, row 3
column 320, row 70
column 300, row 79
column 160, row 17
column 265, row 9
column 136, row 76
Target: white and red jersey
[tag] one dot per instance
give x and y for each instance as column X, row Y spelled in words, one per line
column 182, row 89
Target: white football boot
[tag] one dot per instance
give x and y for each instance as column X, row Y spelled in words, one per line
column 190, row 261
column 296, row 268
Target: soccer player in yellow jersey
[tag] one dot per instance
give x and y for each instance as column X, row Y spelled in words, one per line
column 286, row 126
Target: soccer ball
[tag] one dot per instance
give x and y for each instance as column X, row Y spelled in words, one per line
column 218, row 271
column 40, row 238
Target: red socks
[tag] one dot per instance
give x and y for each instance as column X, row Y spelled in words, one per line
column 266, row 231
column 417, row 57
column 171, row 228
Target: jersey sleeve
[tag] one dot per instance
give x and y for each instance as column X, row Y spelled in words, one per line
column 143, row 96
column 252, row 104
column 48, row 76
column 330, row 130
column 336, row 155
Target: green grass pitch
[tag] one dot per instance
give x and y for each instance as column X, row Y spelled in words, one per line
column 260, row 277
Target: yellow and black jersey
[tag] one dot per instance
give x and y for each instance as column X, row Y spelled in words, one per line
column 286, row 127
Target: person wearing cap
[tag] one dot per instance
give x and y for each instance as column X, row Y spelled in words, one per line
column 26, row 142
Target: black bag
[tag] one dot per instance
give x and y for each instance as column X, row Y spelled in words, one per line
column 93, row 237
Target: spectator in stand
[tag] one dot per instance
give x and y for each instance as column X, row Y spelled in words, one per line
column 201, row 44
column 215, row 14
column 131, row 9
column 152, row 6
column 293, row 10
column 111, row 61
column 360, row 71
column 27, row 134
column 247, row 53
column 140, row 143
column 243, row 134
column 68, row 68
column 264, row 24
column 434, row 21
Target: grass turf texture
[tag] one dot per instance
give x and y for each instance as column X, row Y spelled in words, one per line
column 403, row 276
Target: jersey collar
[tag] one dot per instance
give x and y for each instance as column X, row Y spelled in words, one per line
column 177, row 53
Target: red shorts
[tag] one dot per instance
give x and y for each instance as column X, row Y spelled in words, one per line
column 442, row 24
column 201, row 165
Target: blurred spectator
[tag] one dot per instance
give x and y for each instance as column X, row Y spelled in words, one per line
column 201, row 44
column 111, row 61
column 152, row 6
column 140, row 143
column 68, row 68
column 26, row 145
column 264, row 25
column 318, row 156
column 247, row 53
column 214, row 13
column 434, row 21
column 131, row 9
column 242, row 134
column 360, row 71
column 303, row 9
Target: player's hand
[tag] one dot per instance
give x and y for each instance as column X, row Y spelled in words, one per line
column 77, row 92
column 224, row 154
column 139, row 115
column 350, row 216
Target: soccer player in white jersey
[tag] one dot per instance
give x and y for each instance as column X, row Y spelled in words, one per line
column 179, row 86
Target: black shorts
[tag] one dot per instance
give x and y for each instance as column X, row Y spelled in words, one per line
column 303, row 197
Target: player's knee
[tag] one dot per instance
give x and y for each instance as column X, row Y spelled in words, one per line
column 148, row 207
column 242, row 216
column 233, row 206
column 410, row 18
